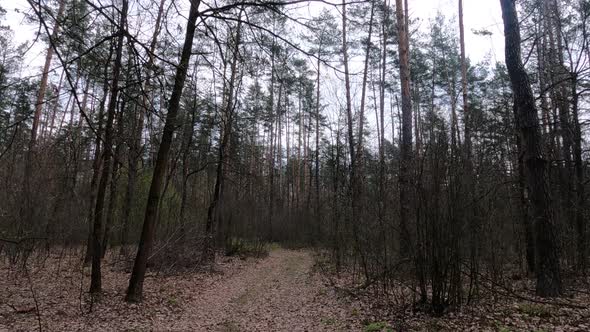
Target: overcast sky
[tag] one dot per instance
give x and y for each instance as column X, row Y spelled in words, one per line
column 478, row 14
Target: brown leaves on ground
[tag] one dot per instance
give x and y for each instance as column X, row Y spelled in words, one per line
column 509, row 308
column 282, row 292
column 278, row 293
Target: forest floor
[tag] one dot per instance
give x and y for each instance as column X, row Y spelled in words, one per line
column 281, row 292
column 286, row 291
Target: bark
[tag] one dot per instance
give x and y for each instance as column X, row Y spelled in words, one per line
column 44, row 77
column 97, row 163
column 579, row 169
column 135, row 146
column 48, row 128
column 354, row 164
column 187, row 143
column 110, row 218
column 300, row 134
column 524, row 207
column 111, row 204
column 95, row 280
column 364, row 88
column 226, row 127
column 559, row 90
column 541, row 65
column 466, row 115
column 347, row 87
column 381, row 131
column 135, row 289
column 406, row 141
column 271, row 165
column 470, row 183
column 27, row 208
column 317, row 143
column 536, row 166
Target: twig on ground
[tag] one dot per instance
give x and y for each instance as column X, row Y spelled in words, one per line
column 32, row 289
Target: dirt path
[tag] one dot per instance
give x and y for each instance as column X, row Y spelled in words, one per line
column 279, row 293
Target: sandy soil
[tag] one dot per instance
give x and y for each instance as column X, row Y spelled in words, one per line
column 279, row 293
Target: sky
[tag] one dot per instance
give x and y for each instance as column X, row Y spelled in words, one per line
column 478, row 15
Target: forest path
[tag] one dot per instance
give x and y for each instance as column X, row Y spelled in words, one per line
column 281, row 292
column 278, row 293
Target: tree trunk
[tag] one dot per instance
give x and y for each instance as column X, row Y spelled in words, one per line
column 135, row 145
column 317, row 146
column 347, row 87
column 406, row 144
column 579, row 169
column 111, row 204
column 271, row 160
column 114, row 180
column 96, row 163
column 547, row 256
column 135, row 289
column 48, row 128
column 95, row 280
column 381, row 130
column 26, row 210
column 45, row 76
column 226, row 128
column 524, row 207
column 187, row 142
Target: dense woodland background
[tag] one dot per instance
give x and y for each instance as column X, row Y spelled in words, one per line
column 173, row 130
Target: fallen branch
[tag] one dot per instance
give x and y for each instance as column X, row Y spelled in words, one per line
column 21, row 310
column 37, row 311
column 513, row 294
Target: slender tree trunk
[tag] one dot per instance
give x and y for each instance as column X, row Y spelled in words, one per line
column 96, row 163
column 347, row 87
column 364, row 88
column 406, row 144
column 95, row 281
column 110, row 218
column 135, row 145
column 226, row 128
column 48, row 128
column 271, row 160
column 135, row 290
column 27, row 208
column 469, row 180
column 44, row 77
column 317, row 146
column 466, row 115
column 354, row 163
column 300, row 134
column 382, row 132
column 111, row 203
column 187, row 143
column 579, row 169
column 279, row 147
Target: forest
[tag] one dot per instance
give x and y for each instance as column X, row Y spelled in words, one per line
column 294, row 165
